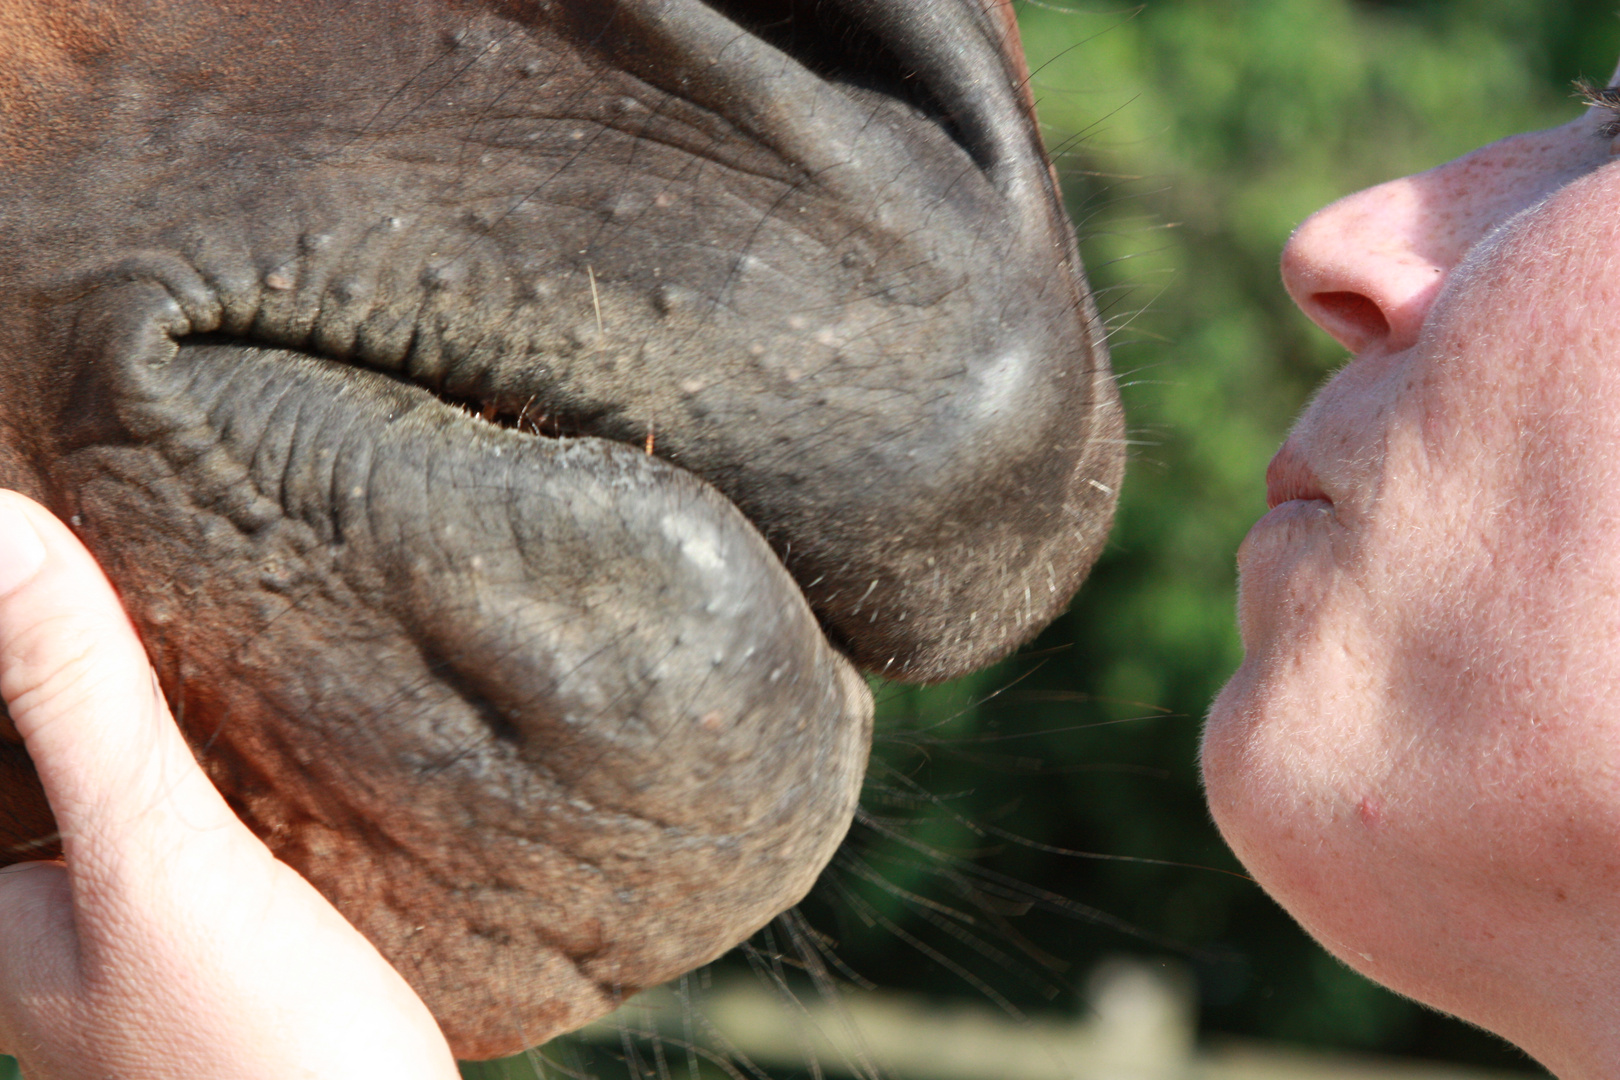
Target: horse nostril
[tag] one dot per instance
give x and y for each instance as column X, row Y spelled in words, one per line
column 1354, row 320
column 932, row 60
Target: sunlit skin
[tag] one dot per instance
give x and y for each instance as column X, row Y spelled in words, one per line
column 1420, row 756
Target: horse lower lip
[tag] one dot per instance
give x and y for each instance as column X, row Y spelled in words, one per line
column 528, row 748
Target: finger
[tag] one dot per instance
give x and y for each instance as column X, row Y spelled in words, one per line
column 37, row 939
column 126, row 791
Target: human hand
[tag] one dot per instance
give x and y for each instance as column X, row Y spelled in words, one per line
column 169, row 942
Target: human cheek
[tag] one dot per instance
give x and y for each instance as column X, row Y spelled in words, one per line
column 1421, row 466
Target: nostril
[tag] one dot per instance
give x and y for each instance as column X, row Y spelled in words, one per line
column 1352, row 319
column 945, row 66
column 832, row 42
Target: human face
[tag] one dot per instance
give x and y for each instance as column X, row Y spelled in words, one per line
column 1420, row 755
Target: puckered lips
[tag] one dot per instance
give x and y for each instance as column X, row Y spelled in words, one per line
column 1289, row 478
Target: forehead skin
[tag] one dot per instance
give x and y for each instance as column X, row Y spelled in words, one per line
column 1420, row 756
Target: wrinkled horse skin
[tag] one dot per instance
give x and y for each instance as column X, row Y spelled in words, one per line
column 514, row 426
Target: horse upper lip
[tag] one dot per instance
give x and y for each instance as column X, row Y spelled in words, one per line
column 1290, row 477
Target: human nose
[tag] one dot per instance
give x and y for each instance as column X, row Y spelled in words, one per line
column 1367, row 268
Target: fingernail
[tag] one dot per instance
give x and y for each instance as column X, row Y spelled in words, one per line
column 22, row 552
column 20, row 867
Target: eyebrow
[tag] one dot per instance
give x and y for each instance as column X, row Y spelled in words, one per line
column 1602, row 97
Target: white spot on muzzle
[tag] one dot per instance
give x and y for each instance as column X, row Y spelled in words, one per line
column 1003, row 383
column 697, row 540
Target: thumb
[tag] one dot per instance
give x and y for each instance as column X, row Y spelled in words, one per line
column 119, row 776
column 171, row 935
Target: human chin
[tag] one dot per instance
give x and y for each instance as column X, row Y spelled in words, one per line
column 1284, row 743
column 1315, row 770
column 1297, row 754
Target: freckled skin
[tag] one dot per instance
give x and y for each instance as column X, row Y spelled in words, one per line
column 1420, row 756
column 512, row 427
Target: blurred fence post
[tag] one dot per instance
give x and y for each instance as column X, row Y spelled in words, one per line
column 1139, row 1024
